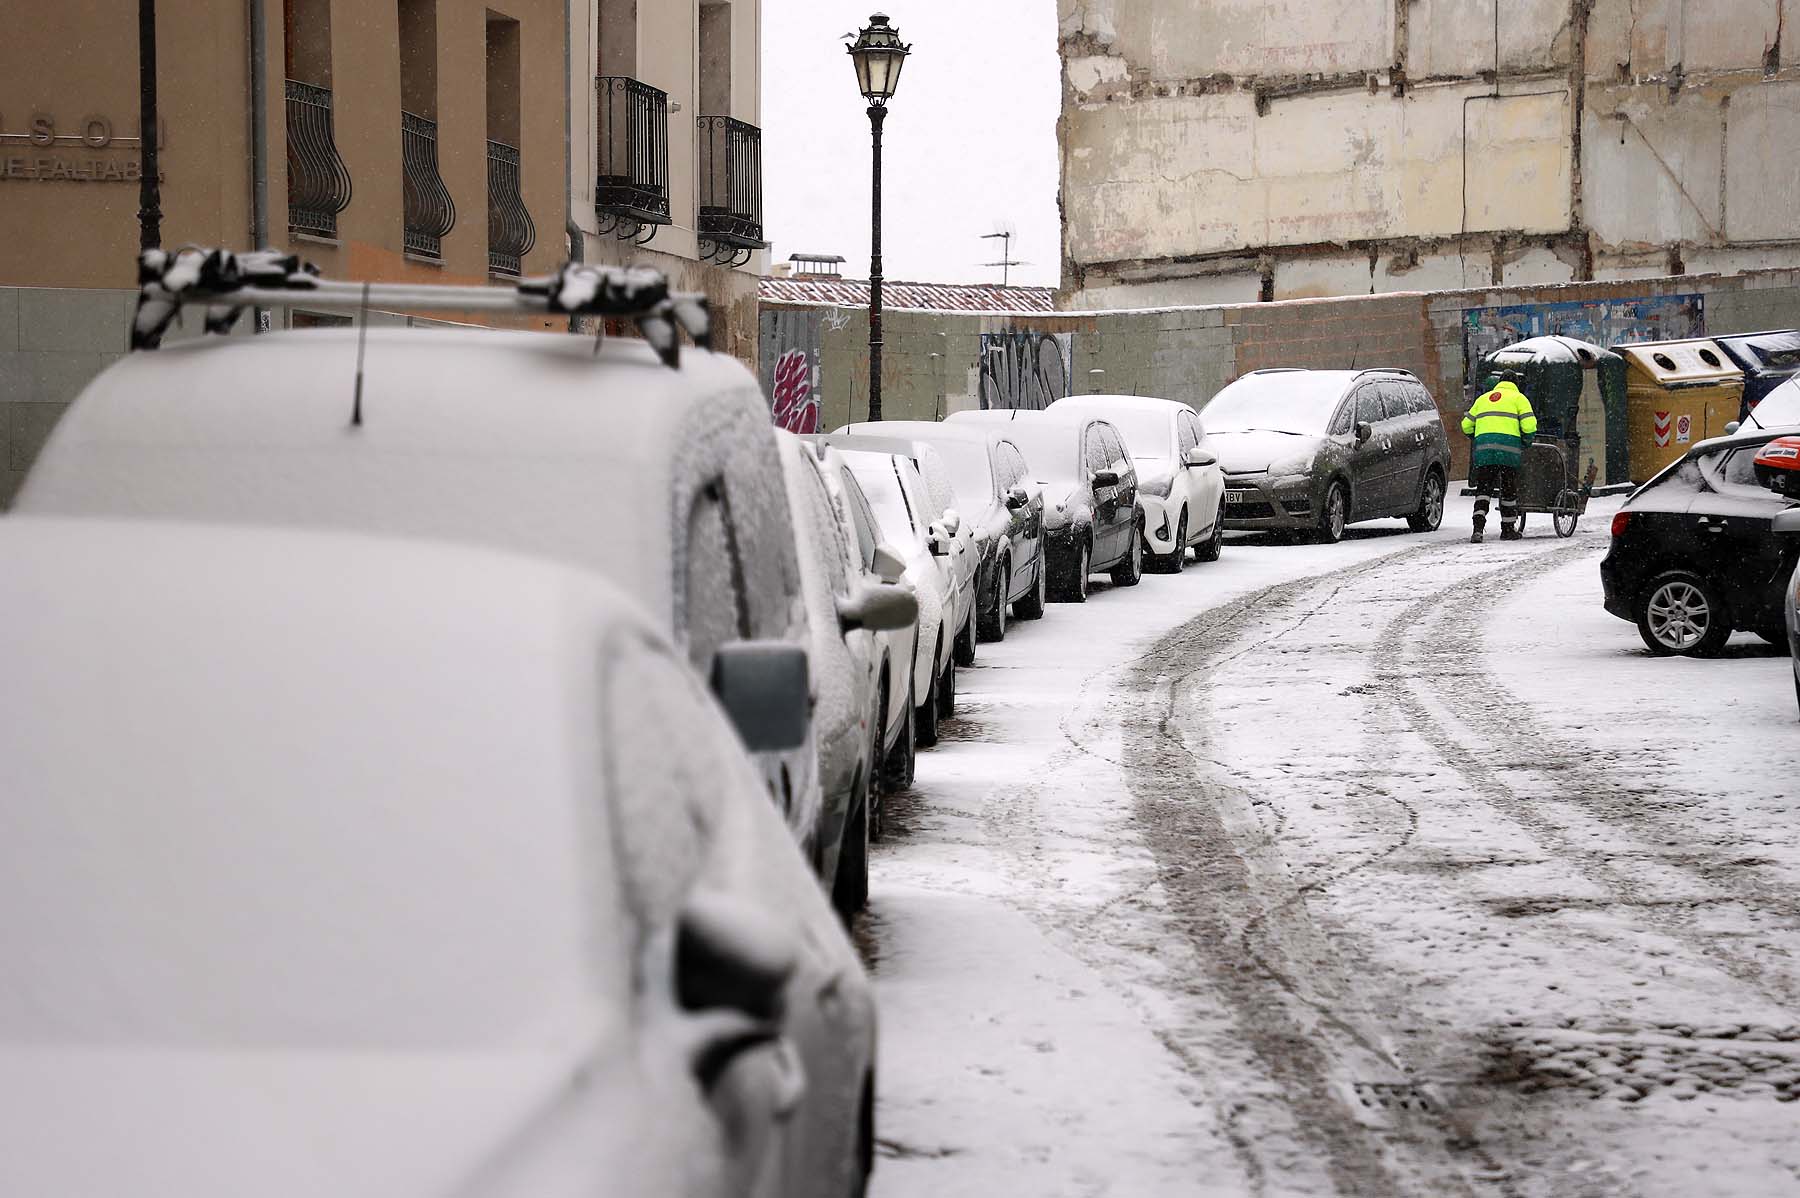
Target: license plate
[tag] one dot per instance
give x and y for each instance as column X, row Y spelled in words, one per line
column 1235, row 497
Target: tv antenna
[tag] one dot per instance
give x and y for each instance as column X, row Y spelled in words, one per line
column 1007, row 261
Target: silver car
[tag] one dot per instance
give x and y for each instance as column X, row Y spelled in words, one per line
column 1315, row 450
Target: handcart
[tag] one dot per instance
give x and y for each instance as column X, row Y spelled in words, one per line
column 1548, row 484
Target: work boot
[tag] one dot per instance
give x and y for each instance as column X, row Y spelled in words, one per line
column 1510, row 532
column 1475, row 537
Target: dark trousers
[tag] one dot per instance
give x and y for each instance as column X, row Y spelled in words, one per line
column 1501, row 482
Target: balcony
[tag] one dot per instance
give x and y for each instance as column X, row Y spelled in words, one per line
column 631, row 186
column 730, row 217
column 430, row 212
column 510, row 231
column 318, row 184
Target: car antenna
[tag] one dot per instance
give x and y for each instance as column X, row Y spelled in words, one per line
column 362, row 340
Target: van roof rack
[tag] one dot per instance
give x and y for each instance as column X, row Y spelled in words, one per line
column 226, row 283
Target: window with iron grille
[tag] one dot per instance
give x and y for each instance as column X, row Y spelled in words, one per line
column 632, row 150
column 318, row 183
column 730, row 162
column 430, row 213
column 510, row 231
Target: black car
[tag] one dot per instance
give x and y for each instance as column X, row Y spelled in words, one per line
column 1694, row 556
column 994, row 499
column 1314, row 450
column 1091, row 520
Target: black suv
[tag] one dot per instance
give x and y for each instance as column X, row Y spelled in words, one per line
column 1693, row 555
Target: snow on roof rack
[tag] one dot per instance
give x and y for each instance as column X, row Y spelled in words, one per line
column 226, row 283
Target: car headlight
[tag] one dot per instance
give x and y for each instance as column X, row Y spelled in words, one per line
column 1289, row 470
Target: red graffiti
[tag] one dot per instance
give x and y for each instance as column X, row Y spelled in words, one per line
column 795, row 406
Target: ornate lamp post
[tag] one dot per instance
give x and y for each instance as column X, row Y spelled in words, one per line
column 149, row 187
column 878, row 55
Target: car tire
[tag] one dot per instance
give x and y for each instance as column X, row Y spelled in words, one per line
column 962, row 653
column 1431, row 505
column 1334, row 515
column 1130, row 570
column 1680, row 614
column 925, row 715
column 1209, row 549
column 992, row 627
column 946, row 693
column 1031, row 607
column 1074, row 588
column 1175, row 560
column 850, row 888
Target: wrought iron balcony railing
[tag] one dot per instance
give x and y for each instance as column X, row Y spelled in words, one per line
column 430, row 212
column 730, row 216
column 631, row 187
column 318, row 184
column 510, row 231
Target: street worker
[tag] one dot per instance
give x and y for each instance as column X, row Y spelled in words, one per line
column 1502, row 425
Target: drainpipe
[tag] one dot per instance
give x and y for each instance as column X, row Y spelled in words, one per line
column 259, row 141
column 574, row 230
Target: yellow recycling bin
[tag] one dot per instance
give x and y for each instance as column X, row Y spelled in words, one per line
column 1676, row 394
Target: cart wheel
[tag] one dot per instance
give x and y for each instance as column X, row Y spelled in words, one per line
column 1568, row 514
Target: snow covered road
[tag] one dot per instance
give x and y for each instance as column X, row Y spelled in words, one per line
column 1393, row 867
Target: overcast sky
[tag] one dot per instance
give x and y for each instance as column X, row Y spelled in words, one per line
column 969, row 145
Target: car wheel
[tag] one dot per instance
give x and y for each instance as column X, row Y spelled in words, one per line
column 1431, row 508
column 1074, row 587
column 1209, row 550
column 946, row 693
column 925, row 715
column 1680, row 614
column 1131, row 568
column 1335, row 516
column 850, row 889
column 992, row 626
column 1032, row 606
column 1175, row 560
column 963, row 652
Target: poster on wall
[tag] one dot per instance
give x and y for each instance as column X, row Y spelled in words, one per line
column 790, row 368
column 1025, row 370
column 1605, row 323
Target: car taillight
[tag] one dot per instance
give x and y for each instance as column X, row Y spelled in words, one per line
column 1620, row 520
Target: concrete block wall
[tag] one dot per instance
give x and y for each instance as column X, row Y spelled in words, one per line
column 933, row 359
column 53, row 340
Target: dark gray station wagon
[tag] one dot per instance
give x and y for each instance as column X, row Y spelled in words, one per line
column 1316, row 450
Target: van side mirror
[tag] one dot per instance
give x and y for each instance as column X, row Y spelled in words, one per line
column 1788, row 522
column 880, row 607
column 952, row 521
column 766, row 693
column 1016, row 498
column 1199, row 457
column 1106, row 478
column 1364, row 430
column 937, row 539
column 1732, row 426
column 889, row 566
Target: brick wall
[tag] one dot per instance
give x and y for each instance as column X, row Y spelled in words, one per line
column 933, row 359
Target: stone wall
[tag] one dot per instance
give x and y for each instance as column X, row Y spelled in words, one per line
column 817, row 358
column 52, row 341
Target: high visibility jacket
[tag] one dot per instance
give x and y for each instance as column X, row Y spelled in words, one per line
column 1502, row 424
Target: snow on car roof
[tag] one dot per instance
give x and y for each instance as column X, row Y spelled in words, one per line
column 519, row 440
column 1100, row 404
column 241, row 764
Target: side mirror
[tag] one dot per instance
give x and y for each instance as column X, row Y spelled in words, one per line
column 879, row 607
column 889, row 565
column 1364, row 430
column 765, row 691
column 1017, row 497
column 1106, row 478
column 937, row 538
column 1199, row 457
column 952, row 521
column 1788, row 522
column 1732, row 426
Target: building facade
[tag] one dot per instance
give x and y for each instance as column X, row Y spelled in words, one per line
column 399, row 141
column 1225, row 151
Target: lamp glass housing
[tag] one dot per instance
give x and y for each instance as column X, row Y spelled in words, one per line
column 878, row 55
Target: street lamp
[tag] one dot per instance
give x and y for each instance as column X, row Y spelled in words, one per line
column 878, row 55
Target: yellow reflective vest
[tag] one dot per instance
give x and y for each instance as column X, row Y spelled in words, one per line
column 1502, row 424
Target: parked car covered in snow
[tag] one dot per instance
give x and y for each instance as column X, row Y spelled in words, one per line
column 1181, row 490
column 887, row 478
column 1779, row 409
column 964, row 559
column 847, row 609
column 998, row 504
column 1694, row 553
column 667, row 481
column 1316, row 450
column 1091, row 520
column 406, row 869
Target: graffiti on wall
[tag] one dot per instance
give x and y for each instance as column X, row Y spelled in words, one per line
column 1605, row 323
column 790, row 368
column 1025, row 370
